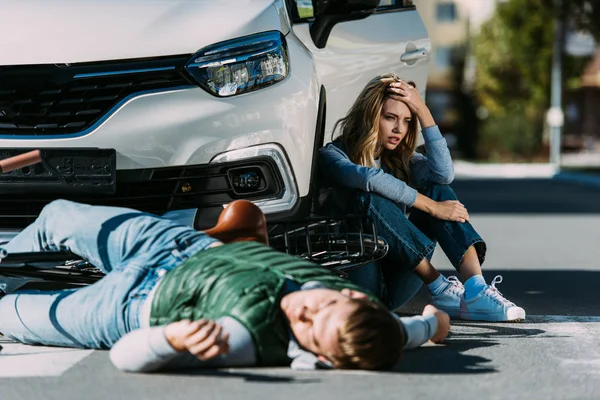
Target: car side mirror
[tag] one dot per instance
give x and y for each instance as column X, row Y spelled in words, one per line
column 330, row 12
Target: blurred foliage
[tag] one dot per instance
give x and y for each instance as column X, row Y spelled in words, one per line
column 305, row 12
column 514, row 62
column 511, row 137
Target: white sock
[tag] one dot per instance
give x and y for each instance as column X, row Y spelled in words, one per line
column 474, row 285
column 436, row 287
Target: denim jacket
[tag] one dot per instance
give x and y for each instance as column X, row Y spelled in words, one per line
column 436, row 168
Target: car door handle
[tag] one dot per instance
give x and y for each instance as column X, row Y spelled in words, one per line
column 414, row 55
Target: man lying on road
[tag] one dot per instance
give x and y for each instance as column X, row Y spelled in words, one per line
column 174, row 297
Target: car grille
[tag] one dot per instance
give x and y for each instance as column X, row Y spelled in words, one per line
column 156, row 191
column 58, row 100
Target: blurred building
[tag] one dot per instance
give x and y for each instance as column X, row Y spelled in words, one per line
column 451, row 24
column 448, row 27
column 590, row 91
column 581, row 133
column 591, row 74
column 582, row 119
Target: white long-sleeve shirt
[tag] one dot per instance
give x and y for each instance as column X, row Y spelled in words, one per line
column 147, row 349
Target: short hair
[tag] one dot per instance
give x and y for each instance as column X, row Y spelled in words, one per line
column 371, row 338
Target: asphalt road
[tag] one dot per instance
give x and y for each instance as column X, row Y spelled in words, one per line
column 543, row 237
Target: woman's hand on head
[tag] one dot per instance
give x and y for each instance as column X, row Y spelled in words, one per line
column 443, row 323
column 450, row 210
column 202, row 338
column 408, row 94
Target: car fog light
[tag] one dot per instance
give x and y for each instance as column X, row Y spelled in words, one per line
column 247, row 180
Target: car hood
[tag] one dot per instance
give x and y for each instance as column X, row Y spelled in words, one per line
column 67, row 31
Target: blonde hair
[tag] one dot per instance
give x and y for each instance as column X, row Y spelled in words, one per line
column 370, row 338
column 359, row 130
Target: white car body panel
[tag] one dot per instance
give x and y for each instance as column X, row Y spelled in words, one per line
column 357, row 51
column 67, row 31
column 189, row 126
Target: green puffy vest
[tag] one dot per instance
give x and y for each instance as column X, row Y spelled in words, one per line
column 243, row 281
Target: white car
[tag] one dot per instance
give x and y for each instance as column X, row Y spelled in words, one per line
column 177, row 107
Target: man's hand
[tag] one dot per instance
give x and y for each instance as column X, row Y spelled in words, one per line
column 202, row 338
column 443, row 323
column 450, row 210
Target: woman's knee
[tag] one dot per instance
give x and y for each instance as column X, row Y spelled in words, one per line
column 439, row 192
column 362, row 201
column 375, row 200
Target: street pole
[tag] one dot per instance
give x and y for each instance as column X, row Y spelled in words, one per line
column 555, row 116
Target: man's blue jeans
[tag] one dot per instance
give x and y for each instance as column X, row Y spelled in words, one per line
column 133, row 248
column 410, row 240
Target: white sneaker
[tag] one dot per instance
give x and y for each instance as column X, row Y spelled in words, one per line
column 490, row 305
column 449, row 300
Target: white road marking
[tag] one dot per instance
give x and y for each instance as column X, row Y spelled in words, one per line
column 562, row 318
column 20, row 360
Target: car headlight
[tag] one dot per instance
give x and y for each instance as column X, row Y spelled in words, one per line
column 241, row 65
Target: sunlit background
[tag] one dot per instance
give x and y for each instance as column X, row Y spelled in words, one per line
column 491, row 77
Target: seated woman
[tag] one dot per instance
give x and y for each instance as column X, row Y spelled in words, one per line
column 374, row 161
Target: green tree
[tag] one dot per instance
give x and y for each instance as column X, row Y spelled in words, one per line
column 513, row 53
column 514, row 59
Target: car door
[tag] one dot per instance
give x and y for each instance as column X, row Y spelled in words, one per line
column 392, row 39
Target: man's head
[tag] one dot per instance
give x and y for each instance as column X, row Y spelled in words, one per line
column 344, row 327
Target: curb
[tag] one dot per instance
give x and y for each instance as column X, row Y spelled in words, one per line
column 464, row 170
column 578, row 177
column 467, row 170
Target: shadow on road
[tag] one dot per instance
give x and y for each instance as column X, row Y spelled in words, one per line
column 450, row 358
column 531, row 196
column 446, row 359
column 246, row 376
column 468, row 331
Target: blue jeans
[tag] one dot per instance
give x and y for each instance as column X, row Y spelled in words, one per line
column 134, row 249
column 410, row 240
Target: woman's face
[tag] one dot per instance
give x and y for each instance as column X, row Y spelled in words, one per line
column 393, row 123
